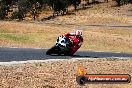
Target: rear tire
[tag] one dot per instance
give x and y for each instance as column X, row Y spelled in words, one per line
column 68, row 53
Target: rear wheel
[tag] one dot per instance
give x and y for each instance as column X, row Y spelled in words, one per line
column 68, row 52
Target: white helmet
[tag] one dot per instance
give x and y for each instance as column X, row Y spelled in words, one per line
column 78, row 33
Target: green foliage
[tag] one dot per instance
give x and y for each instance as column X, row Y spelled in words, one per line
column 122, row 2
column 23, row 7
column 3, row 11
column 18, row 15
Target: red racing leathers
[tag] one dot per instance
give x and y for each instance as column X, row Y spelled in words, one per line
column 76, row 41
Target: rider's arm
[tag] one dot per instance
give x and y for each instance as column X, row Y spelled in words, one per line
column 80, row 42
column 69, row 34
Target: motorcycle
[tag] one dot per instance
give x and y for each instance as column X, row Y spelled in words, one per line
column 62, row 47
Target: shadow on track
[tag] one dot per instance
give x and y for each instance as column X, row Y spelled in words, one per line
column 91, row 54
column 24, row 54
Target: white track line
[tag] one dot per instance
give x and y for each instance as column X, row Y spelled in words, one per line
column 55, row 60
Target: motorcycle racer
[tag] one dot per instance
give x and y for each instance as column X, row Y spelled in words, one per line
column 67, row 44
column 75, row 40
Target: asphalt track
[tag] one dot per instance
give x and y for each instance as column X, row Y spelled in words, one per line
column 24, row 54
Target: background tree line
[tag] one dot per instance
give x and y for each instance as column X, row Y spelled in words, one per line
column 22, row 7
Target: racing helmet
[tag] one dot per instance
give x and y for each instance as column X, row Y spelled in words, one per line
column 78, row 33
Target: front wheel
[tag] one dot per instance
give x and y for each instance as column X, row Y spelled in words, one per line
column 51, row 50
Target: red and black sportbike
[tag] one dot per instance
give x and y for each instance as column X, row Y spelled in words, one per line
column 66, row 46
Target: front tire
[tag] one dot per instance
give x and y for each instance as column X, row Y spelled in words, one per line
column 51, row 50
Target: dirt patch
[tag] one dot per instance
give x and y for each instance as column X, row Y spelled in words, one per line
column 62, row 74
